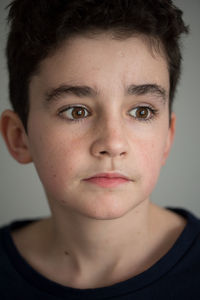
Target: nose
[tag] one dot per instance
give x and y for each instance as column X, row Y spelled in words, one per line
column 110, row 140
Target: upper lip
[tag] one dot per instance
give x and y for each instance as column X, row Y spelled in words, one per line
column 110, row 175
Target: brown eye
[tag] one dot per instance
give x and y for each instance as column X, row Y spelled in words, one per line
column 75, row 113
column 142, row 113
column 78, row 112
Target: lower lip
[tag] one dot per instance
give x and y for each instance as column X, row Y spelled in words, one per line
column 107, row 182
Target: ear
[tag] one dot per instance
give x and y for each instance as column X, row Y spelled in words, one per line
column 170, row 138
column 15, row 137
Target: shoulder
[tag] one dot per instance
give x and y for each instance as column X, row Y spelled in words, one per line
column 184, row 227
column 31, row 238
column 175, row 218
column 7, row 246
column 12, row 266
column 8, row 274
column 176, row 228
column 179, row 240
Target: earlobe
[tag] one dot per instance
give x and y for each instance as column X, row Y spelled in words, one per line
column 15, row 137
column 170, row 138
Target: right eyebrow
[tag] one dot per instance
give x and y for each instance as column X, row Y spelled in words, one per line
column 79, row 91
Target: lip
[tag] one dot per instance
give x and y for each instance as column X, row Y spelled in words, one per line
column 108, row 179
column 109, row 175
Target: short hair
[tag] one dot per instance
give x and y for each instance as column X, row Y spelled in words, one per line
column 38, row 28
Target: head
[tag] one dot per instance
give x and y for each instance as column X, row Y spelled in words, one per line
column 94, row 94
column 40, row 27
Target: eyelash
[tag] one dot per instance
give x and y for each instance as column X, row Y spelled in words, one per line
column 151, row 110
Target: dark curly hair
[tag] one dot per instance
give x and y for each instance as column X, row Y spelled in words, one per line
column 38, row 27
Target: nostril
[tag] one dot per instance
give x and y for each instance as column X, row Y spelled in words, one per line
column 106, row 152
column 122, row 153
column 103, row 152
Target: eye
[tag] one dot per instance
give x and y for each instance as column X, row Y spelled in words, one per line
column 143, row 113
column 75, row 113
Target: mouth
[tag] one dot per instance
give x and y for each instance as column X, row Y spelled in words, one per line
column 107, row 180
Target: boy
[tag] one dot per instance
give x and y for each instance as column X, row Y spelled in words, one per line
column 92, row 85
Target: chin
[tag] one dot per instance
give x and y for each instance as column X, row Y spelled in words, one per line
column 106, row 216
column 108, row 212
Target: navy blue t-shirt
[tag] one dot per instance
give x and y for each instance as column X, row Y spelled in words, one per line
column 175, row 276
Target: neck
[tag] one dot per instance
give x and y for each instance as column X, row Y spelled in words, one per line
column 86, row 253
column 90, row 242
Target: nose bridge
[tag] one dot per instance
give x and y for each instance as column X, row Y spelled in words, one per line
column 110, row 135
column 112, row 126
column 110, row 121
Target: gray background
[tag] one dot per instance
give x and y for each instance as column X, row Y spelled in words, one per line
column 21, row 193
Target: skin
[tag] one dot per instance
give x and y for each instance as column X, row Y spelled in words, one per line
column 88, row 222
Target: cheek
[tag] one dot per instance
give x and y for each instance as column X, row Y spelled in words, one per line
column 151, row 154
column 57, row 159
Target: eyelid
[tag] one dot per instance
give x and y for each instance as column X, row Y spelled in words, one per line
column 154, row 112
column 71, row 106
column 143, row 104
column 66, row 108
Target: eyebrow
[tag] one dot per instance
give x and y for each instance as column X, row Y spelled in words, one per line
column 152, row 89
column 64, row 89
column 85, row 91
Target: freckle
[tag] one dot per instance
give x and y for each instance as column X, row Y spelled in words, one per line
column 121, row 54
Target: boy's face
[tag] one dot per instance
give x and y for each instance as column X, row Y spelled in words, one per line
column 112, row 133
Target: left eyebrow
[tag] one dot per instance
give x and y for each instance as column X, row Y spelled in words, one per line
column 85, row 91
column 152, row 89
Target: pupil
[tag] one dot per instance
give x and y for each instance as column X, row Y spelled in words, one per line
column 78, row 112
column 142, row 113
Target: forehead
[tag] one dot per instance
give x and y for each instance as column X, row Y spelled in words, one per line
column 105, row 63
